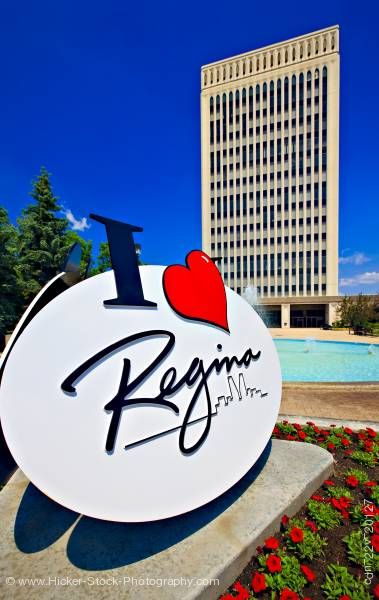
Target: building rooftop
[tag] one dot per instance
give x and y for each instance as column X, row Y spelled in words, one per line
column 269, row 58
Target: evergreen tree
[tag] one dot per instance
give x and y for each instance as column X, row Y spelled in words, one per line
column 10, row 293
column 42, row 238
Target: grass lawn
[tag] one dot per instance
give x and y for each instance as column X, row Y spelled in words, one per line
column 330, row 549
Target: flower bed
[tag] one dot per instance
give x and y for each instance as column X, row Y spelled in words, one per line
column 330, row 549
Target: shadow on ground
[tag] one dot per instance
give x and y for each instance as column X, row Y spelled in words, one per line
column 99, row 545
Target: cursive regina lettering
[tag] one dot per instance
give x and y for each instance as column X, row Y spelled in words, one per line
column 169, row 385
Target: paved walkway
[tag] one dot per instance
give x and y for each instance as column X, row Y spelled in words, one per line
column 320, row 334
column 351, row 401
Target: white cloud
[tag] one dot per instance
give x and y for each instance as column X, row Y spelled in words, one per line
column 76, row 224
column 368, row 278
column 358, row 258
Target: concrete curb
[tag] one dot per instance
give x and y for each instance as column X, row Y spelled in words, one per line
column 40, row 539
column 326, row 422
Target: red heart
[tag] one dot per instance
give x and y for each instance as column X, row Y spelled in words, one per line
column 197, row 290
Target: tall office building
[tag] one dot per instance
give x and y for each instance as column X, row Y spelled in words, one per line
column 269, row 141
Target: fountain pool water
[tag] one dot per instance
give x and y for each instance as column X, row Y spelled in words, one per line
column 312, row 360
column 309, row 344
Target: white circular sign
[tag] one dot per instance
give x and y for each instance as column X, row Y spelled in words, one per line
column 138, row 414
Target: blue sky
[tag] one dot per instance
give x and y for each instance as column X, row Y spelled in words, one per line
column 106, row 96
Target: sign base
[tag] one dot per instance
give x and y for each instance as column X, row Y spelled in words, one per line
column 68, row 556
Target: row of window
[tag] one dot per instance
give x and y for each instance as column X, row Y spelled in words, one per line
column 271, row 194
column 254, row 93
column 269, row 259
column 244, row 228
column 301, row 221
column 308, row 171
column 236, row 134
column 263, row 291
column 278, row 272
column 257, row 179
column 261, row 211
column 286, row 144
column 268, row 150
column 279, row 240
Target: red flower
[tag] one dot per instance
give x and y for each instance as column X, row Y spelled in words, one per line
column 287, row 594
column 345, row 442
column 274, row 564
column 348, row 431
column 336, row 503
column 368, row 446
column 370, row 483
column 352, row 481
column 311, row 525
column 376, row 527
column 243, row 593
column 376, row 591
column 284, row 520
column 328, row 482
column 297, row 426
column 371, row 432
column 296, row 535
column 290, row 438
column 258, row 583
column 318, row 498
column 308, row 573
column 348, row 452
column 227, row 597
column 316, row 430
column 345, row 514
column 276, row 431
column 272, row 543
column 340, row 503
column 302, row 435
column 344, row 597
column 310, row 423
column 375, row 542
column 361, row 435
column 330, row 446
column 344, row 502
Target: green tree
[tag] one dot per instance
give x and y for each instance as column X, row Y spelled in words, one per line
column 10, row 293
column 103, row 262
column 357, row 311
column 42, row 238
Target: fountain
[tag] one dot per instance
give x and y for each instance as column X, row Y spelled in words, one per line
column 250, row 294
column 309, row 344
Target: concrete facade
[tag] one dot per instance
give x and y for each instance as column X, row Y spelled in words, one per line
column 269, row 140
